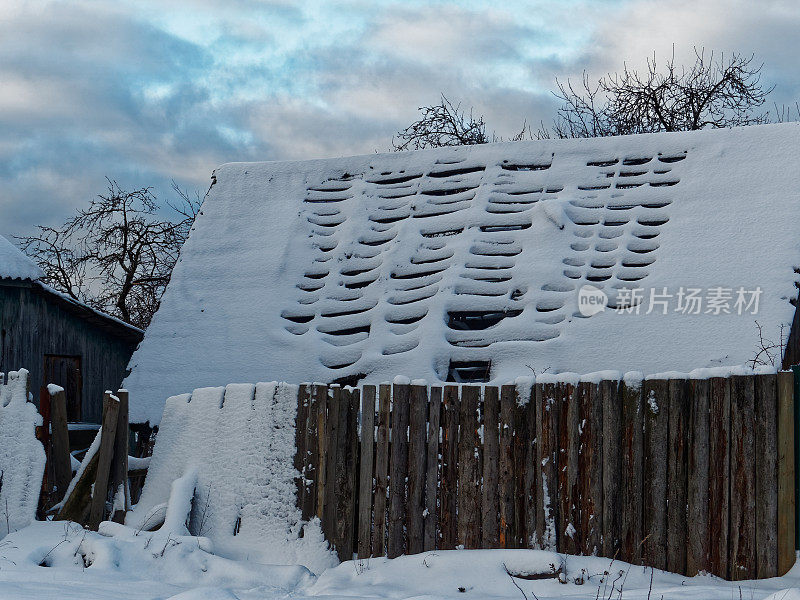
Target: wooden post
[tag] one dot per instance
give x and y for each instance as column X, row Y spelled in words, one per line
column 59, row 453
column 677, row 469
column 786, row 467
column 320, row 393
column 300, row 454
column 766, row 464
column 699, row 542
column 590, row 467
column 417, row 451
column 612, row 466
column 719, row 472
column 105, row 455
column 365, row 470
column 311, row 463
column 527, row 477
column 469, row 505
column 332, row 425
column 508, row 529
column 491, row 460
column 381, row 470
column 569, row 449
column 119, row 479
column 345, row 473
column 432, row 469
column 656, row 418
column 449, row 489
column 547, row 464
column 743, row 497
column 398, row 470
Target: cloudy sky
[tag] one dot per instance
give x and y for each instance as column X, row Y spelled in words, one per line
column 147, row 91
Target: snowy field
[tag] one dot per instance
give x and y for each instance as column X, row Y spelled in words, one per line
column 49, row 560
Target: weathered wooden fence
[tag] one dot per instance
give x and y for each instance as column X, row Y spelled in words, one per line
column 687, row 475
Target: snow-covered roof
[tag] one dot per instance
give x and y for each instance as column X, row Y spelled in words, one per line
column 400, row 263
column 14, row 264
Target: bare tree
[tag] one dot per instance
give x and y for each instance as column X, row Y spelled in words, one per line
column 714, row 92
column 443, row 124
column 116, row 255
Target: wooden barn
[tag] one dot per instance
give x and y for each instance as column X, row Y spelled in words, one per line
column 59, row 340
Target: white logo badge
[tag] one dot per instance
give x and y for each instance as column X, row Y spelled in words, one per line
column 591, row 300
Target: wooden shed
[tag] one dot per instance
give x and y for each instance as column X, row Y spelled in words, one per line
column 59, row 340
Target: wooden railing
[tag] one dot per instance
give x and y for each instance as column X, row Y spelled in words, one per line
column 687, row 475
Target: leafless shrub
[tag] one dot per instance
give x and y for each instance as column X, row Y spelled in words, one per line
column 443, row 124
column 769, row 353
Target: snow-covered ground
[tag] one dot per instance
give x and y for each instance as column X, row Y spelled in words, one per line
column 50, row 560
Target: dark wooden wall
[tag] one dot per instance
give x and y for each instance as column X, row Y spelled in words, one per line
column 35, row 322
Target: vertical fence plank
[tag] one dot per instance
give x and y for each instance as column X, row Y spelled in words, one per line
column 698, row 547
column 345, row 469
column 547, row 462
column 491, row 460
column 323, row 404
column 656, row 414
column 591, row 467
column 59, row 454
column 468, row 516
column 743, row 500
column 432, row 469
column 527, row 476
column 786, row 467
column 312, row 463
column 105, row 455
column 365, row 491
column 507, row 525
column 119, row 465
column 766, row 457
column 677, row 468
column 300, row 453
column 334, row 401
column 568, row 447
column 398, row 470
column 719, row 447
column 381, row 470
column 612, row 465
column 449, row 486
column 417, row 434
column 631, row 484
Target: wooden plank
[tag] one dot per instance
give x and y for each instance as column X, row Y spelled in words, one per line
column 381, row 469
column 677, row 469
column 631, row 484
column 766, row 459
column 449, row 487
column 76, row 507
column 432, row 469
column 490, row 530
column 590, row 463
column 417, row 451
column 719, row 447
column 311, row 461
column 349, row 518
column 398, row 470
column 547, row 461
column 569, row 449
column 320, row 392
column 468, row 516
column 365, row 471
column 506, row 487
column 332, row 427
column 119, row 464
column 59, row 453
column 786, row 474
column 655, row 474
column 612, row 466
column 300, row 426
column 743, row 498
column 105, row 454
column 527, row 475
column 698, row 550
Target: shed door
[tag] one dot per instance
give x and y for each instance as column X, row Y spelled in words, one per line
column 66, row 372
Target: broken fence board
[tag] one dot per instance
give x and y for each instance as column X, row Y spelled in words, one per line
column 105, row 454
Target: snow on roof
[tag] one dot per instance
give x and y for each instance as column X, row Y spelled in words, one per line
column 401, row 263
column 14, row 264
